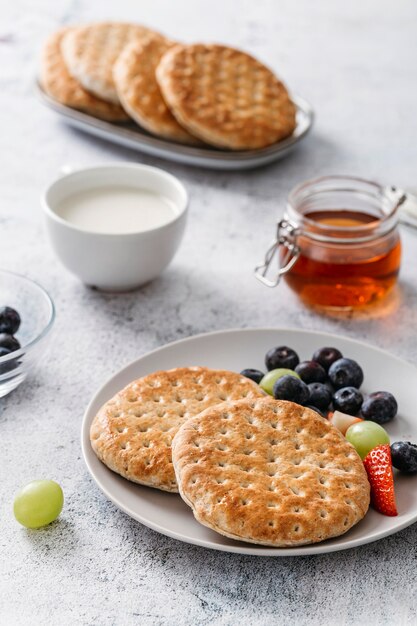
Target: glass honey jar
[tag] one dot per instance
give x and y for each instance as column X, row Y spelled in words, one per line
column 338, row 245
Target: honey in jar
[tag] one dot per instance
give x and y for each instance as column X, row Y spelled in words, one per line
column 338, row 246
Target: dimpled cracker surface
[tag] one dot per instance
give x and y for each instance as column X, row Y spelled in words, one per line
column 225, row 97
column 133, row 432
column 269, row 472
column 91, row 51
column 60, row 85
column 139, row 93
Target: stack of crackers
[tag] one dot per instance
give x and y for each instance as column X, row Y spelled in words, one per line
column 191, row 94
column 250, row 467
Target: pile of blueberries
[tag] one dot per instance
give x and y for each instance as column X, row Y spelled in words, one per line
column 9, row 325
column 327, row 382
column 330, row 382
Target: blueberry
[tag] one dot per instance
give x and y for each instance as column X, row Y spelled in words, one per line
column 348, row 400
column 9, row 320
column 345, row 373
column 9, row 342
column 327, row 356
column 320, row 396
column 279, row 357
column 9, row 366
column 380, row 407
column 404, row 456
column 311, row 372
column 254, row 375
column 292, row 389
column 317, row 410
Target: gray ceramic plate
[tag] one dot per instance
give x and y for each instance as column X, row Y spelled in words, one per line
column 132, row 136
column 234, row 350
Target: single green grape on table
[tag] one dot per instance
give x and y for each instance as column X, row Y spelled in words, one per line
column 270, row 378
column 38, row 503
column 366, row 435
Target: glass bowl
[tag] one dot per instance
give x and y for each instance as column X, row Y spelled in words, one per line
column 37, row 313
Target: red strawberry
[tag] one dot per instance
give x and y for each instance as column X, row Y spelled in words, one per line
column 379, row 469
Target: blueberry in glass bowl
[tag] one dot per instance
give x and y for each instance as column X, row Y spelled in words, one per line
column 20, row 353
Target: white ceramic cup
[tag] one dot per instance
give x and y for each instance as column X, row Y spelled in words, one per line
column 115, row 262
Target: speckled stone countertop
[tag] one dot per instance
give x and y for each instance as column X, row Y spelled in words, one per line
column 356, row 63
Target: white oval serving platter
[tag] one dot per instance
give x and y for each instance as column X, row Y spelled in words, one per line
column 132, row 136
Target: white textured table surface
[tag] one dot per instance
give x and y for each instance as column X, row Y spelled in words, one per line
column 356, row 63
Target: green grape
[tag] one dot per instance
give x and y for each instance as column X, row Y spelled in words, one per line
column 366, row 435
column 268, row 381
column 38, row 503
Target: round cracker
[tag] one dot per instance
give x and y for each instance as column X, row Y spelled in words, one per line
column 133, row 432
column 269, row 472
column 61, row 86
column 139, row 93
column 225, row 97
column 91, row 51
